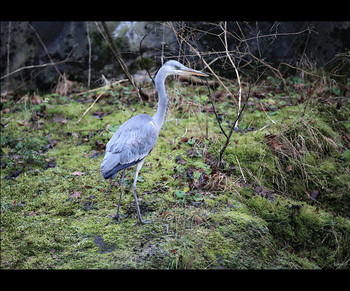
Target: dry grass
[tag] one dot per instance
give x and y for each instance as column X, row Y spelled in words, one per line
column 303, row 146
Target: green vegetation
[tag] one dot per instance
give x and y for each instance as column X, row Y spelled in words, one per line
column 281, row 201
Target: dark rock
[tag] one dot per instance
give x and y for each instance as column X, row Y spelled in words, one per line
column 67, row 44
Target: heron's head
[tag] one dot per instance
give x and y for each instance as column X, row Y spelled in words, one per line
column 173, row 67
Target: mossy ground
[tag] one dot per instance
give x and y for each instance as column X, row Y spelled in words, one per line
column 255, row 213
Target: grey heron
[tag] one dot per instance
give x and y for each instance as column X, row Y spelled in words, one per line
column 136, row 137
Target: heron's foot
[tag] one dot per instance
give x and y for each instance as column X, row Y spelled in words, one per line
column 118, row 217
column 141, row 221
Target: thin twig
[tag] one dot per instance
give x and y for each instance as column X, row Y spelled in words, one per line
column 231, row 131
column 92, row 105
column 199, row 55
column 89, row 43
column 234, row 66
column 214, row 109
column 33, row 67
column 140, row 52
column 239, row 165
column 47, row 52
column 99, row 88
column 8, row 56
column 263, row 108
column 116, row 52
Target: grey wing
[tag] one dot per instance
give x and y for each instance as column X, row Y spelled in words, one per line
column 132, row 142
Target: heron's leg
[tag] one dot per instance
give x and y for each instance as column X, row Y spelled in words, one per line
column 139, row 166
column 120, row 196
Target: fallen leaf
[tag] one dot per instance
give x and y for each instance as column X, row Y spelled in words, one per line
column 265, row 193
column 98, row 114
column 184, row 139
column 189, row 174
column 289, row 168
column 259, row 95
column 58, row 118
column 276, row 146
column 78, row 173
column 32, row 213
column 272, row 141
column 53, row 142
column 76, row 194
column 100, row 145
column 64, row 86
column 217, row 95
column 35, row 99
column 180, row 161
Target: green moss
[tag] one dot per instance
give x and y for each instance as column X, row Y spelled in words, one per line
column 305, row 229
column 60, row 217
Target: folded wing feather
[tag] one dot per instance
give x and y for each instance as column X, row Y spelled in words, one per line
column 131, row 143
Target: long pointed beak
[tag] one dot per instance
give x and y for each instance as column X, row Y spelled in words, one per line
column 194, row 72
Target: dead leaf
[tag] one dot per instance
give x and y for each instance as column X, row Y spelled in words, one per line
column 76, row 194
column 259, row 95
column 100, row 145
column 23, row 99
column 35, row 99
column 289, row 168
column 270, row 136
column 180, row 161
column 98, row 114
column 64, row 86
column 78, row 173
column 53, row 142
column 272, row 141
column 276, row 146
column 265, row 193
column 58, row 118
column 32, row 213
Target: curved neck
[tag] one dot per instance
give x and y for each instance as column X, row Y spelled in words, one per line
column 163, row 100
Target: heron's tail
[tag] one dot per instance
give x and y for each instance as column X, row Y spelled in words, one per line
column 110, row 166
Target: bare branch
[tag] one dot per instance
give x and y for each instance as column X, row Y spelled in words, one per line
column 34, row 67
column 116, row 52
column 89, row 43
column 234, row 66
column 231, row 131
column 8, row 56
column 170, row 25
column 47, row 52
